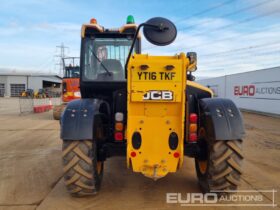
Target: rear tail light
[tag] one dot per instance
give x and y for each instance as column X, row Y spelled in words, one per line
column 192, row 137
column 193, row 118
column 118, row 136
column 119, row 127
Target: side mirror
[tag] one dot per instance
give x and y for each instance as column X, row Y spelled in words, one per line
column 160, row 31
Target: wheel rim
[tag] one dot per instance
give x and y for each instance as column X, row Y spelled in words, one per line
column 202, row 164
column 99, row 167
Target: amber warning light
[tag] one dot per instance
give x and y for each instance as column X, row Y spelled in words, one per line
column 93, row 21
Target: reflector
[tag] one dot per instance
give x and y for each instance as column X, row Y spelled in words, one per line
column 176, row 154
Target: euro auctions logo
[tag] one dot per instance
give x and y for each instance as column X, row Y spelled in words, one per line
column 258, row 90
column 246, row 90
column 192, row 198
column 228, row 198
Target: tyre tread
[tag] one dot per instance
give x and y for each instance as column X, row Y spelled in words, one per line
column 78, row 167
column 224, row 169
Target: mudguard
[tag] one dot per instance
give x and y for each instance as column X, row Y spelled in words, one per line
column 77, row 120
column 223, row 119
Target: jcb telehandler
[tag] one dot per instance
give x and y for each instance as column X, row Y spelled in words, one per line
column 70, row 85
column 146, row 108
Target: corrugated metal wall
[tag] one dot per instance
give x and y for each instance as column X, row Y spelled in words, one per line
column 13, row 85
column 256, row 90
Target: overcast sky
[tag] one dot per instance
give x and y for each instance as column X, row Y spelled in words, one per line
column 229, row 36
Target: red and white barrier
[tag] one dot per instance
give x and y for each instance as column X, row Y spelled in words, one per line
column 43, row 107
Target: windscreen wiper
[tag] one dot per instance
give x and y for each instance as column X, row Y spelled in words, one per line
column 104, row 67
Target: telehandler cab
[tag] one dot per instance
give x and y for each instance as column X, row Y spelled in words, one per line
column 145, row 108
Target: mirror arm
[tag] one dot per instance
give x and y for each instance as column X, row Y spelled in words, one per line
column 134, row 40
column 131, row 47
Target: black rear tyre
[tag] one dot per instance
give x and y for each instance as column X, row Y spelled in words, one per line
column 221, row 169
column 82, row 172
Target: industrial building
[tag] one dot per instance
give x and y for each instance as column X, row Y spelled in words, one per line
column 255, row 90
column 13, row 84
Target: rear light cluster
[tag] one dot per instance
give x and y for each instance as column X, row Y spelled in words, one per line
column 119, row 128
column 193, row 127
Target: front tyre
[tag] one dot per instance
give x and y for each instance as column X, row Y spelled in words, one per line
column 82, row 172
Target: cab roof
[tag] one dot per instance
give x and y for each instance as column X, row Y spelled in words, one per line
column 91, row 28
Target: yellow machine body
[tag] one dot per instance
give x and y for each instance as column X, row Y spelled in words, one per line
column 156, row 108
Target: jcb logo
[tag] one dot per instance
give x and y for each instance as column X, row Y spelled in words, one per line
column 158, row 95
